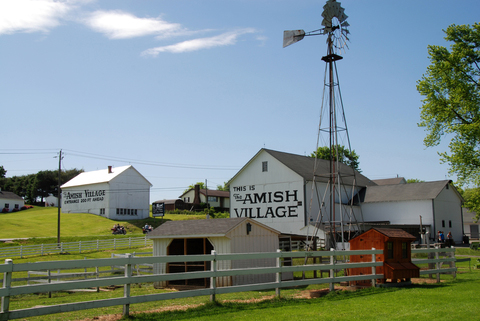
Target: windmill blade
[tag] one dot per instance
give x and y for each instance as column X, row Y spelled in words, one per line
column 292, row 36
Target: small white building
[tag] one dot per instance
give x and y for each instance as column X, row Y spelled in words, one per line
column 10, row 201
column 51, row 201
column 225, row 236
column 119, row 193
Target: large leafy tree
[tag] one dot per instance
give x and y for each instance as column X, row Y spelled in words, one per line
column 451, row 107
column 345, row 155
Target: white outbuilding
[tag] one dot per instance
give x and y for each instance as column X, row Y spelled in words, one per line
column 10, row 202
column 225, row 236
column 119, row 193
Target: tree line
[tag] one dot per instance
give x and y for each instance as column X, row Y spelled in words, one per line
column 33, row 188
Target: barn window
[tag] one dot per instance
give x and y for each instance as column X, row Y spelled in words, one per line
column 443, row 223
column 7, row 205
column 404, row 250
column 264, row 166
column 449, row 223
column 389, row 250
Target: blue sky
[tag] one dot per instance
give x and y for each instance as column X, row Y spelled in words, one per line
column 188, row 91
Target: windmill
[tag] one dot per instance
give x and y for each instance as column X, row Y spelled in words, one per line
column 335, row 215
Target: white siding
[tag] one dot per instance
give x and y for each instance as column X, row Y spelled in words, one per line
column 274, row 197
column 407, row 212
column 448, row 211
column 259, row 239
column 160, row 247
column 222, row 245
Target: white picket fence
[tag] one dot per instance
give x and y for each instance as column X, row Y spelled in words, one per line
column 75, row 247
column 8, row 290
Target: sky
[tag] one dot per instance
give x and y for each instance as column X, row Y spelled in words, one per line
column 189, row 91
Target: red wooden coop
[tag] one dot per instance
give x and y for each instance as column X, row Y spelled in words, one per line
column 396, row 257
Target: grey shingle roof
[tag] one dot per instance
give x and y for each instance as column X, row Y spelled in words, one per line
column 10, row 196
column 404, row 192
column 303, row 166
column 219, row 226
column 390, row 181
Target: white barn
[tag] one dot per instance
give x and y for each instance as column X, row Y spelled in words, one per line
column 471, row 226
column 119, row 193
column 438, row 203
column 275, row 188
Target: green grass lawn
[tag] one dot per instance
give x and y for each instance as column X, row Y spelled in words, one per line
column 42, row 222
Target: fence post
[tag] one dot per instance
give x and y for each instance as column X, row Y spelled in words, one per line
column 114, row 244
column 79, row 246
column 332, row 271
column 213, row 279
column 21, row 251
column 374, row 268
column 49, row 280
column 126, row 286
column 129, row 242
column 278, row 274
column 437, row 264
column 7, row 282
column 42, row 248
column 97, row 244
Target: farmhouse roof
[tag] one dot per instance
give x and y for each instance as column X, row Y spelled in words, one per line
column 303, row 166
column 10, row 196
column 405, row 192
column 100, row 176
column 201, row 228
column 211, row 192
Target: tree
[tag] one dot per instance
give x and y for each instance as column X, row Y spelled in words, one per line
column 414, row 180
column 3, row 172
column 451, row 107
column 347, row 157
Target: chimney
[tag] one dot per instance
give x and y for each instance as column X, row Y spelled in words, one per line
column 196, row 198
column 109, row 169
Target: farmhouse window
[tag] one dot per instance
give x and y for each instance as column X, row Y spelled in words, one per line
column 212, row 199
column 264, row 166
column 389, row 250
column 17, row 207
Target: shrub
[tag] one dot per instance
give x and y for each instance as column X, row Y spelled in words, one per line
column 5, row 210
column 15, row 210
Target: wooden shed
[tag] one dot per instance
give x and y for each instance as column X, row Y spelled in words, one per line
column 225, row 236
column 396, row 257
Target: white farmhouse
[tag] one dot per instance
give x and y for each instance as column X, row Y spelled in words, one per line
column 10, row 202
column 120, row 193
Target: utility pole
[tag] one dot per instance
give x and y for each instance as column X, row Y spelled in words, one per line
column 58, row 196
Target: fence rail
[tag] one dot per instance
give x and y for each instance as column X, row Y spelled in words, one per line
column 74, row 247
column 128, row 262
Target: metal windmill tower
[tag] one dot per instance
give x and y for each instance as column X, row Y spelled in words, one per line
column 335, row 216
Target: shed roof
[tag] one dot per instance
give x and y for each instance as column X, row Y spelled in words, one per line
column 405, row 192
column 99, row 176
column 304, row 165
column 394, row 233
column 201, row 228
column 10, row 196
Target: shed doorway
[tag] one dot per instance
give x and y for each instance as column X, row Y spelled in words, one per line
column 187, row 246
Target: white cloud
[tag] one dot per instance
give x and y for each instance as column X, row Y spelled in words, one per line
column 122, row 25
column 225, row 39
column 31, row 15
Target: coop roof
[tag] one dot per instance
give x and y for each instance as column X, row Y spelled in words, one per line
column 394, row 233
column 201, row 228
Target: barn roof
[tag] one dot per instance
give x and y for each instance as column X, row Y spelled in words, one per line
column 99, row 176
column 390, row 181
column 10, row 196
column 303, row 166
column 405, row 192
column 210, row 192
column 201, row 228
